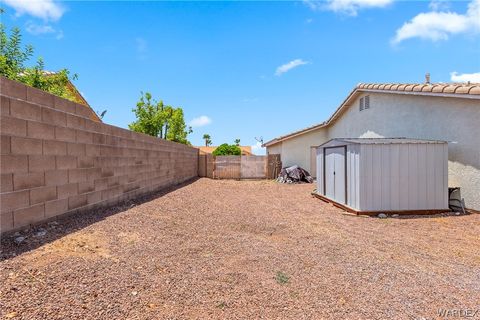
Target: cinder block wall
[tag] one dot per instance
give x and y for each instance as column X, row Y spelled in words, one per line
column 55, row 160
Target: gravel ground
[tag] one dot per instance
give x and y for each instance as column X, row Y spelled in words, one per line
column 241, row 250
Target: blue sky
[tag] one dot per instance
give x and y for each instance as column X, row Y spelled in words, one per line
column 249, row 68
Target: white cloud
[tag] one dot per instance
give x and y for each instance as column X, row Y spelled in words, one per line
column 289, row 66
column 439, row 5
column 39, row 29
column 258, row 149
column 349, row 7
column 36, row 29
column 465, row 77
column 200, row 121
column 44, row 9
column 435, row 25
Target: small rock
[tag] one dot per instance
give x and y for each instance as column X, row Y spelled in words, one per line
column 19, row 240
column 53, row 223
column 395, row 215
column 457, row 213
column 16, row 234
column 40, row 233
column 382, row 215
column 134, row 293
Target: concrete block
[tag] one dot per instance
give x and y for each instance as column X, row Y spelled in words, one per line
column 54, row 117
column 64, row 105
column 4, row 106
column 5, row 145
column 75, row 122
column 13, row 88
column 6, row 182
column 86, row 186
column 76, row 149
column 52, row 147
column 67, row 190
column 94, row 173
column 65, row 134
column 25, row 110
column 26, row 216
column 14, row 200
column 28, row 180
column 6, row 221
column 40, row 163
column 85, row 162
column 92, row 150
column 77, row 201
column 39, row 96
column 56, row 177
column 13, row 163
column 77, row 175
column 111, row 192
column 56, row 207
column 40, row 130
column 99, row 138
column 13, row 126
column 101, row 184
column 42, row 194
column 84, row 136
column 83, row 111
column 66, row 162
column 94, row 197
column 27, row 146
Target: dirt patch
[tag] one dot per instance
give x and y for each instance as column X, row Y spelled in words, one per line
column 242, row 250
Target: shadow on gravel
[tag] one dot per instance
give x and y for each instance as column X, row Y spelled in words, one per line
column 46, row 232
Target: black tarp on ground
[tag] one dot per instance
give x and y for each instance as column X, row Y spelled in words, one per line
column 294, row 174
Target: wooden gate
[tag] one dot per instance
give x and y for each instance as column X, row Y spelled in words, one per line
column 240, row 167
column 227, row 167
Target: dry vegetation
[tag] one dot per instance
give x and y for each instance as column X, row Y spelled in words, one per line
column 241, row 250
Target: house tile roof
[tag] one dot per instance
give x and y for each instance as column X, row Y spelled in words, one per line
column 458, row 90
column 449, row 88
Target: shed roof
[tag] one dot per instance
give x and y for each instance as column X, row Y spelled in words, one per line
column 384, row 141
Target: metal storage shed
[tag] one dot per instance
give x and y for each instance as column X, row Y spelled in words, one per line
column 373, row 175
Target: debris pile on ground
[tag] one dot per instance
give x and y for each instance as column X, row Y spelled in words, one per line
column 294, row 174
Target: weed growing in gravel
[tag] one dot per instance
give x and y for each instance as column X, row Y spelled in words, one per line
column 281, row 277
column 221, row 305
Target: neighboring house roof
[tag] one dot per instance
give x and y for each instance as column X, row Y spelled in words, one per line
column 246, row 150
column 455, row 90
column 79, row 97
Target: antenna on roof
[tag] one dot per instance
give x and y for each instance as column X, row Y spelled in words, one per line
column 427, row 78
column 259, row 139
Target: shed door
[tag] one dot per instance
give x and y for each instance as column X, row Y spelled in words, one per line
column 335, row 174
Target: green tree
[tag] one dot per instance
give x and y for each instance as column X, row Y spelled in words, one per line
column 176, row 129
column 208, row 139
column 13, row 59
column 237, row 142
column 227, row 150
column 158, row 120
column 149, row 116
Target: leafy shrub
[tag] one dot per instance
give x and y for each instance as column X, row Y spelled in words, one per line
column 13, row 65
column 227, row 150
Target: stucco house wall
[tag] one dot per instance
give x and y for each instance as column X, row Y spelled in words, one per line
column 297, row 150
column 455, row 120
